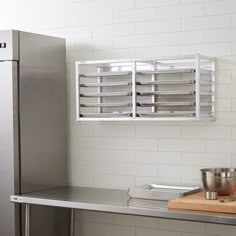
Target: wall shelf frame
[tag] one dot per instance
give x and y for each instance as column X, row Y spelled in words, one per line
column 180, row 88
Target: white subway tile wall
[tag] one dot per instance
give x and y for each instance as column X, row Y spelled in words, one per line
column 122, row 155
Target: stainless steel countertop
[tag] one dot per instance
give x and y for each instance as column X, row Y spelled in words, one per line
column 115, row 201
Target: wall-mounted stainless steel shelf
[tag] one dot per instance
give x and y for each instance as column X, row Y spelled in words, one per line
column 164, row 71
column 121, row 104
column 167, row 93
column 173, row 88
column 169, row 114
column 117, row 84
column 104, row 115
column 115, row 94
column 106, row 74
column 167, row 82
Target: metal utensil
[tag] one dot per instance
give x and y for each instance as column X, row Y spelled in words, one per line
column 217, row 179
column 158, row 186
column 211, row 195
column 161, row 192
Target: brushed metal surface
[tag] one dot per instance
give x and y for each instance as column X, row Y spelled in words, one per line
column 27, row 220
column 42, row 112
column 72, row 222
column 115, row 201
column 217, row 179
column 42, row 100
column 211, row 195
column 9, row 158
column 33, row 147
column 161, row 192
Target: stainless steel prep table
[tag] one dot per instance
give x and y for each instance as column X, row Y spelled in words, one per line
column 109, row 200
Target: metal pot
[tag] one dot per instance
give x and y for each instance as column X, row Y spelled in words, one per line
column 217, row 179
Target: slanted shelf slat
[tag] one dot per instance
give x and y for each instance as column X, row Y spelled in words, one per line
column 173, row 88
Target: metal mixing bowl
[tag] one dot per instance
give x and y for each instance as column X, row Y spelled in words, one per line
column 217, row 179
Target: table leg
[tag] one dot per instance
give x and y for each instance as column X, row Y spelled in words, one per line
column 72, row 222
column 27, row 219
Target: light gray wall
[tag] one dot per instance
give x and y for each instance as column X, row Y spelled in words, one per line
column 122, row 155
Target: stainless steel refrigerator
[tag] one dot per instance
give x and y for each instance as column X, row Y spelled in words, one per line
column 33, row 148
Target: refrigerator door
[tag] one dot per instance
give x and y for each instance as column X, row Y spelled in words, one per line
column 9, row 158
column 33, row 147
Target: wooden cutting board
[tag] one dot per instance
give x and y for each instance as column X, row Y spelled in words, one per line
column 198, row 202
